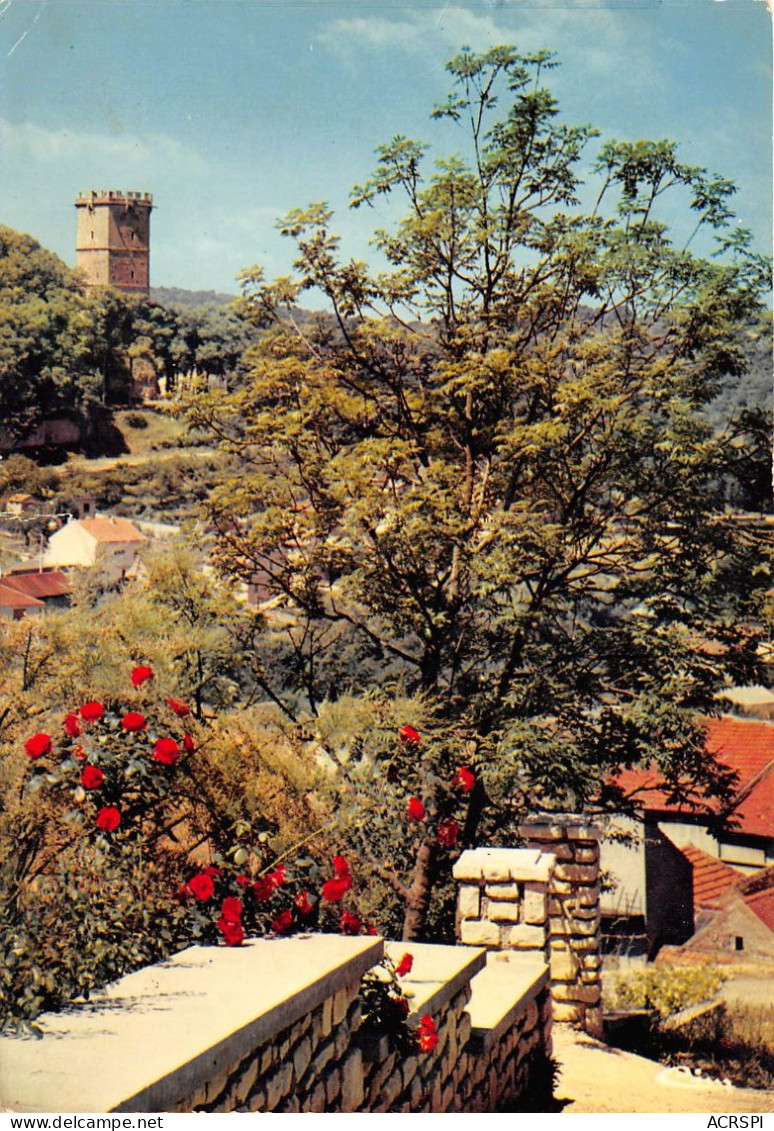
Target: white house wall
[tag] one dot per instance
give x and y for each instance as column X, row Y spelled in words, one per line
column 623, row 868
column 70, row 546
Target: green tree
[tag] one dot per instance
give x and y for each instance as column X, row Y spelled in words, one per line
column 41, row 311
column 484, row 477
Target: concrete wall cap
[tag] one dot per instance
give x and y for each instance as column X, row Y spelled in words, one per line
column 502, row 991
column 437, row 974
column 503, row 864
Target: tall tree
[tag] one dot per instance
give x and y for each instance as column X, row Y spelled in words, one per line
column 485, row 473
column 40, row 322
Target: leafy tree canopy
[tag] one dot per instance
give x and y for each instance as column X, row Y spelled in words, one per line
column 41, row 334
column 485, row 476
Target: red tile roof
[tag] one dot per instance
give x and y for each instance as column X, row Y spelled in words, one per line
column 112, row 529
column 48, row 583
column 711, row 877
column 743, row 745
column 11, row 598
column 762, row 903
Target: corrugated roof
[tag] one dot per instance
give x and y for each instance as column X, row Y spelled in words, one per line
column 11, row 598
column 51, row 583
column 711, row 877
column 112, row 529
column 745, row 746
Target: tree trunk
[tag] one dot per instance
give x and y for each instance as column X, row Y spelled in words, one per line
column 418, row 901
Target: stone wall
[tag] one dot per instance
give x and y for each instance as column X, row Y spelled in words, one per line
column 276, row 1026
column 310, row 1066
column 541, row 900
column 494, row 1026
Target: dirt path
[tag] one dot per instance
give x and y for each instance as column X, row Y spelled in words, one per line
column 132, row 459
column 597, row 1078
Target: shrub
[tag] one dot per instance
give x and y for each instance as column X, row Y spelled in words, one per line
column 135, row 420
column 129, row 848
column 667, row 989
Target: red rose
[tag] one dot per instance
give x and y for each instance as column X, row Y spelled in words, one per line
column 243, row 882
column 263, row 890
column 427, row 1033
column 141, row 675
column 109, row 818
column 405, row 964
column 188, row 743
column 37, row 746
column 409, row 736
column 334, row 890
column 232, row 930
column 92, row 777
column 92, row 711
column 72, row 726
column 179, row 707
column 231, row 908
column 202, row 887
column 183, row 894
column 211, row 870
column 340, row 865
column 277, row 877
column 283, row 922
column 79, row 753
column 464, row 779
column 166, row 751
column 303, row 904
column 415, row 810
column 349, row 924
column 447, row 834
column 133, row 721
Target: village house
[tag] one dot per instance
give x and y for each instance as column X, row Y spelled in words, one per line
column 25, row 592
column 651, row 860
column 110, row 543
column 22, row 504
column 734, row 914
column 15, row 604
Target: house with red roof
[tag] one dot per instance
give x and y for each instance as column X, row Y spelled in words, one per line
column 25, row 592
column 671, row 853
column 14, row 605
column 738, row 923
column 109, row 542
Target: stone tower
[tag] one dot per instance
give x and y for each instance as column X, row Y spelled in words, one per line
column 113, row 239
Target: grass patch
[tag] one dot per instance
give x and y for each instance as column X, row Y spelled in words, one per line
column 158, row 431
column 735, row 1042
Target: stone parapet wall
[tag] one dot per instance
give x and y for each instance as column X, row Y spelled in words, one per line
column 311, row 1066
column 257, row 1028
column 276, row 1026
column 494, row 1028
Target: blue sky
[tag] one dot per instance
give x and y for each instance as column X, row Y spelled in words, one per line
column 231, row 112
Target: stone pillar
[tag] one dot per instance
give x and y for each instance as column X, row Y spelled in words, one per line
column 503, row 898
column 573, row 926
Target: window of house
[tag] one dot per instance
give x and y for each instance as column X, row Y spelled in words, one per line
column 738, row 942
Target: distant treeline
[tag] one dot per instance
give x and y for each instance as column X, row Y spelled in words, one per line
column 69, row 352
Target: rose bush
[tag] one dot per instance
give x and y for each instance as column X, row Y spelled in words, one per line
column 125, row 797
